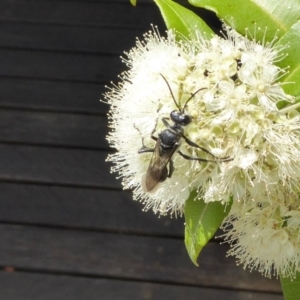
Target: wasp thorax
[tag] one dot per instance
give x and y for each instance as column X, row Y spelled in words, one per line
column 180, row 118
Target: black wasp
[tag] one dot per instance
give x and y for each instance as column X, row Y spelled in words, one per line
column 167, row 142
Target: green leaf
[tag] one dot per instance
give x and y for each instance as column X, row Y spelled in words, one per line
column 133, row 2
column 291, row 38
column 291, row 289
column 181, row 19
column 201, row 222
column 271, row 14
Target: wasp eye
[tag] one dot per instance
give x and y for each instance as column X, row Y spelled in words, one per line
column 185, row 119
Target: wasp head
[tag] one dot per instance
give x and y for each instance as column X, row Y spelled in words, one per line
column 180, row 118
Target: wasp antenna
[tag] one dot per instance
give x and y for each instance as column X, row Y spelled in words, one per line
column 192, row 96
column 170, row 91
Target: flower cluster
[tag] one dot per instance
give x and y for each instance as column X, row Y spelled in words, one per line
column 264, row 235
column 229, row 87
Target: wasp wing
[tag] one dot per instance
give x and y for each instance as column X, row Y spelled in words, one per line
column 157, row 170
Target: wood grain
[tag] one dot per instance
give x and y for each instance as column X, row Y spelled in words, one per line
column 60, row 66
column 84, row 13
column 60, row 166
column 141, row 258
column 28, row 286
column 56, row 129
column 89, row 209
column 44, row 95
column 69, row 38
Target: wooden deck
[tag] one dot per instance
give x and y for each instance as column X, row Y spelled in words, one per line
column 67, row 230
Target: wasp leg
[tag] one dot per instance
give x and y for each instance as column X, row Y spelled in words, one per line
column 195, row 158
column 145, row 149
column 166, row 123
column 171, row 168
column 223, row 159
column 188, row 141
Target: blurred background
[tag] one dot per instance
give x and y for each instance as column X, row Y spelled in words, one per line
column 67, row 230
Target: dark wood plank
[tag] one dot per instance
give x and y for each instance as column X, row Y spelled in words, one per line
column 118, row 13
column 86, row 13
column 61, row 96
column 59, row 129
column 68, row 38
column 120, row 256
column 56, row 166
column 26, row 286
column 82, row 208
column 60, row 66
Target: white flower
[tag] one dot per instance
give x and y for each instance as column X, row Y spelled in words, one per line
column 231, row 89
column 264, row 235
